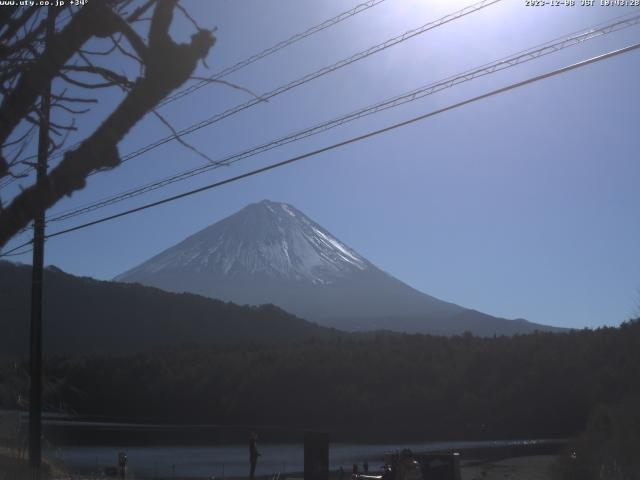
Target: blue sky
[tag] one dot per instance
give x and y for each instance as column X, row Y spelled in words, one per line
column 522, row 205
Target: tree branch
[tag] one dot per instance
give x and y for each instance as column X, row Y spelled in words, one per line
column 90, row 20
column 168, row 66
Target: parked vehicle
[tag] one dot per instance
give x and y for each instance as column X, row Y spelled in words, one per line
column 406, row 465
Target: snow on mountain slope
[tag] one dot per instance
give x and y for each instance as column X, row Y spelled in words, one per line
column 269, row 238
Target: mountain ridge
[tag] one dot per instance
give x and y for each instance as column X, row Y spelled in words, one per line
column 84, row 315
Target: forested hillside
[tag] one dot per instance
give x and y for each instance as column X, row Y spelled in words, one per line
column 537, row 385
column 83, row 315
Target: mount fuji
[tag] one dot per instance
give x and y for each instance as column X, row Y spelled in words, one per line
column 270, row 252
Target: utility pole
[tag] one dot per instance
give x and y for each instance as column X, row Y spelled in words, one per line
column 35, row 366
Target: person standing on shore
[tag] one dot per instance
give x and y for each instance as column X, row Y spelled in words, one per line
column 253, row 454
column 122, row 464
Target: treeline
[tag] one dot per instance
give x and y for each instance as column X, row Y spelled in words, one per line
column 537, row 385
column 607, row 448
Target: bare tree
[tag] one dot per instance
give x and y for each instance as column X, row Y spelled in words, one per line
column 28, row 63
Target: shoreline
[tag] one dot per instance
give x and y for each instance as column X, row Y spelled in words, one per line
column 526, row 461
column 527, row 467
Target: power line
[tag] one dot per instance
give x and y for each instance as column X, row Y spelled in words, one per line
column 305, row 79
column 235, row 67
column 312, row 76
column 273, row 49
column 12, row 252
column 486, row 69
column 334, row 146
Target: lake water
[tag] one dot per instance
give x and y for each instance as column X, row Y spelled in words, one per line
column 232, row 460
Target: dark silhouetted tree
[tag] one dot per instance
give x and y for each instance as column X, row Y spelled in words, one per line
column 28, row 63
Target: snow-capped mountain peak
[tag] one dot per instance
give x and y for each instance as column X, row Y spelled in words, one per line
column 270, row 252
column 269, row 238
